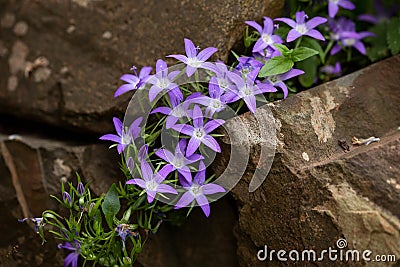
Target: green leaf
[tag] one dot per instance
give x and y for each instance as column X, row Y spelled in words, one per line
column 310, row 71
column 282, row 48
column 393, row 35
column 314, row 44
column 276, row 65
column 111, row 205
column 303, row 53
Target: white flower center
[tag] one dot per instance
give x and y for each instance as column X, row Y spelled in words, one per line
column 196, row 190
column 126, row 138
column 349, row 42
column 199, row 133
column 334, row 1
column 178, row 112
column 223, row 83
column 163, row 82
column 247, row 90
column 216, row 104
column 177, row 162
column 194, row 62
column 301, row 28
column 151, row 185
column 267, row 39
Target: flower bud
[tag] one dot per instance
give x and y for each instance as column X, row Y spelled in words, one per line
column 67, row 198
column 81, row 189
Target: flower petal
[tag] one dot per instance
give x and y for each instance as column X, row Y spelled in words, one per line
column 193, row 145
column 185, row 200
column 147, row 171
column 111, row 137
column 255, row 25
column 184, row 128
column 206, row 53
column 137, row 181
column 292, row 35
column 314, row 22
column 315, row 34
column 209, row 141
column 123, row 89
column 212, row 125
column 163, row 188
column 289, row 22
column 190, row 49
column 182, row 58
column 203, row 203
column 209, row 189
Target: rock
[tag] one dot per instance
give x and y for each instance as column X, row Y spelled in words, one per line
column 315, row 193
column 21, row 28
column 37, row 167
column 142, row 32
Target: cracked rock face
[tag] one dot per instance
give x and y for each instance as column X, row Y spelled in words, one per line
column 97, row 42
column 316, row 193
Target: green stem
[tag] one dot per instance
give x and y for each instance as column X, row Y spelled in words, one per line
column 298, row 42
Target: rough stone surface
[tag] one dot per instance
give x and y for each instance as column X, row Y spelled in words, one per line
column 316, row 193
column 97, row 41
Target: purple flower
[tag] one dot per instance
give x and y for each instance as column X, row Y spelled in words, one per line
column 194, row 60
column 332, row 70
column 221, row 70
column 343, row 31
column 217, row 100
column 39, row 222
column 134, row 82
column 248, row 64
column 333, row 6
column 80, row 189
column 124, row 231
column 247, row 89
column 72, row 258
column 199, row 133
column 162, row 81
column 178, row 161
column 197, row 190
column 179, row 109
column 301, row 27
column 267, row 38
column 277, row 80
column 152, row 182
column 67, row 198
column 383, row 13
column 125, row 135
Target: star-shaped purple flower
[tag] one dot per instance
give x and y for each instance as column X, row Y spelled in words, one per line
column 178, row 161
column 194, row 60
column 179, row 109
column 197, row 190
column 333, row 6
column 199, row 133
column 334, row 70
column 301, row 27
column 217, row 100
column 72, row 258
column 267, row 38
column 163, row 81
column 134, row 82
column 125, row 135
column 152, row 182
column 247, row 89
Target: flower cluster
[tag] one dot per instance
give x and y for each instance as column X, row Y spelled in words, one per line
column 167, row 149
